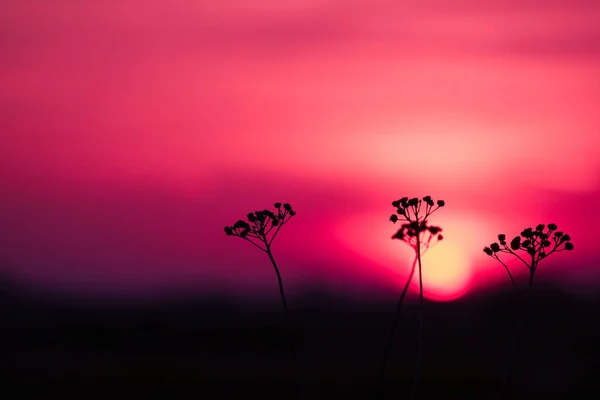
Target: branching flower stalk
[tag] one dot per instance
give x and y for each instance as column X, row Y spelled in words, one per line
column 419, row 236
column 260, row 230
column 538, row 244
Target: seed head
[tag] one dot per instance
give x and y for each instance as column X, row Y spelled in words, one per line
column 434, row 230
column 515, row 244
column 540, row 227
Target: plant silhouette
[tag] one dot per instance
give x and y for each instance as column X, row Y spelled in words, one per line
column 260, row 230
column 415, row 232
column 538, row 244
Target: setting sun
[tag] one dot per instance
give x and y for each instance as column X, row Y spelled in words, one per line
column 446, row 271
column 449, row 266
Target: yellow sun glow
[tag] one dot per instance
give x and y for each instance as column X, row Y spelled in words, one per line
column 448, row 266
column 446, row 271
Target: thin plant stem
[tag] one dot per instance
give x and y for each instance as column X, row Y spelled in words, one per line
column 287, row 321
column 420, row 339
column 279, row 281
column 518, row 337
column 286, row 311
column 507, row 271
column 386, row 354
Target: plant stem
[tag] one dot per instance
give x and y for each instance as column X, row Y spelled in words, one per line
column 386, row 354
column 420, row 340
column 286, row 312
column 287, row 322
column 280, row 281
column 531, row 277
column 519, row 334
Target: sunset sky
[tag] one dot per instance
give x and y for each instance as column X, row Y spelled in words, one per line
column 134, row 130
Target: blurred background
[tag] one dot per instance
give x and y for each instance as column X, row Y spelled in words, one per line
column 134, row 131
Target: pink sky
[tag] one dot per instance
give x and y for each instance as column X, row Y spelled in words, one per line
column 135, row 130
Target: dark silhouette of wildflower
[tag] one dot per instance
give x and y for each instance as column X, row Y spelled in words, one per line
column 260, row 230
column 419, row 235
column 435, row 230
column 540, row 227
column 515, row 244
column 538, row 245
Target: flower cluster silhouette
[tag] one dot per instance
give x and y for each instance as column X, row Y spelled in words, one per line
column 418, row 234
column 531, row 247
column 260, row 230
column 534, row 245
column 262, row 226
column 415, row 228
column 538, row 243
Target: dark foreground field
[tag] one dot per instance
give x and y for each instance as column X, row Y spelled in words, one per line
column 209, row 348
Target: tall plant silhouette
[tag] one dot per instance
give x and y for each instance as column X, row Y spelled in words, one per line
column 537, row 245
column 260, row 230
column 419, row 235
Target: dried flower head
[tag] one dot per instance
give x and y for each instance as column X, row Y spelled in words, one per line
column 417, row 233
column 260, row 230
column 262, row 226
column 538, row 244
column 414, row 213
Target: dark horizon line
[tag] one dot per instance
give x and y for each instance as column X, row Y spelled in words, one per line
column 13, row 288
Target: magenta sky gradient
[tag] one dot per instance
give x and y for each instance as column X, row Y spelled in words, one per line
column 133, row 131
